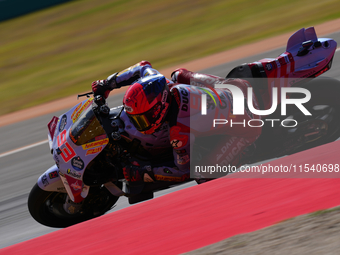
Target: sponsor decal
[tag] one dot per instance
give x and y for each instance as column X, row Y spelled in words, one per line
column 232, row 150
column 44, row 180
column 176, row 143
column 167, row 178
column 52, row 125
column 75, row 111
column 185, row 99
column 94, row 151
column 73, row 174
column 164, row 97
column 76, row 186
column 78, row 111
column 95, row 144
column 177, row 140
column 61, row 189
column 172, row 178
column 53, row 174
column 176, row 95
column 77, row 163
column 269, row 66
column 63, row 122
column 56, row 159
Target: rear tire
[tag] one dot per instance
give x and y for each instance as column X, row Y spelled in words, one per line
column 324, row 91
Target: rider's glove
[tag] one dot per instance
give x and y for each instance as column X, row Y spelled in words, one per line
column 100, row 87
column 103, row 87
column 137, row 173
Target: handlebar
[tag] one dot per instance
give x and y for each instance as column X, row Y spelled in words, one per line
column 86, row 94
column 100, row 101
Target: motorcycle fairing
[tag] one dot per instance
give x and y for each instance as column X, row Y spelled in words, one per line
column 306, row 55
column 300, row 36
column 74, row 146
column 51, row 181
column 52, row 126
column 75, row 188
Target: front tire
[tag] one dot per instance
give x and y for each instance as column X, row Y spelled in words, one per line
column 47, row 208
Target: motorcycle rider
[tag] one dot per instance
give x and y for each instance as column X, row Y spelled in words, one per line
column 153, row 101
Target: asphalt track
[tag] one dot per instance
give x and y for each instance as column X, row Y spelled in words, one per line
column 19, row 170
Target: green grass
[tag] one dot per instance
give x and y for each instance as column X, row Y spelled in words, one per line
column 322, row 212
column 59, row 51
column 313, row 214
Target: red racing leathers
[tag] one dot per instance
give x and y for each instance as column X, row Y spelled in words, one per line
column 232, row 132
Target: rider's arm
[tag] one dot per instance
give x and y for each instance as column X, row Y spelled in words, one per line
column 130, row 75
column 184, row 76
column 180, row 140
column 123, row 78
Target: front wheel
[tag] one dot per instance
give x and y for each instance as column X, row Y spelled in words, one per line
column 54, row 209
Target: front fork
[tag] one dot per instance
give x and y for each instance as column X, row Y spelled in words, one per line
column 55, row 181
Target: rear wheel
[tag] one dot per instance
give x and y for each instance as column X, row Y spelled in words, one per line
column 325, row 108
column 54, row 209
column 320, row 128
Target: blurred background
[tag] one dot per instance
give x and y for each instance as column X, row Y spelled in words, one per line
column 57, row 47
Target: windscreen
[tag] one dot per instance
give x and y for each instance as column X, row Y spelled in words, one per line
column 86, row 128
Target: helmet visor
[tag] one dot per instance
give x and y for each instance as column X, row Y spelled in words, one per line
column 140, row 122
column 144, row 121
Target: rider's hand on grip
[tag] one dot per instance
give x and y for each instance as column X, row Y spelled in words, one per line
column 101, row 87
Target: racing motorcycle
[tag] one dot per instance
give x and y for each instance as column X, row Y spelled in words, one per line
column 93, row 137
column 91, row 143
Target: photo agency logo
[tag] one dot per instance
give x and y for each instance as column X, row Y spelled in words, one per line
column 239, row 105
